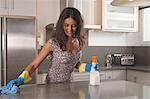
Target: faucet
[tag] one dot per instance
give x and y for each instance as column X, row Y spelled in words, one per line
column 108, row 60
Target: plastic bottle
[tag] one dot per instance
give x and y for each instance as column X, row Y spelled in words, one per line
column 94, row 74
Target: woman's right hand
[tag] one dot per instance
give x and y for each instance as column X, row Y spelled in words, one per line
column 23, row 78
column 12, row 87
column 19, row 81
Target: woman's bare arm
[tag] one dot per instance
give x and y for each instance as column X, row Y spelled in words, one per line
column 47, row 48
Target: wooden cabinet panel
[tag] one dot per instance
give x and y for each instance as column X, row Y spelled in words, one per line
column 18, row 7
column 23, row 8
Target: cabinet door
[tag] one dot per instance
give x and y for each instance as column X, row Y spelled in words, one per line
column 119, row 75
column 146, row 24
column 3, row 7
column 76, row 76
column 109, row 75
column 119, row 24
column 102, row 75
column 138, row 77
column 48, row 13
column 22, row 7
column 121, row 19
column 90, row 10
column 41, row 78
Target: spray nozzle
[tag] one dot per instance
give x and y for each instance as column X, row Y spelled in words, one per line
column 94, row 63
column 94, row 59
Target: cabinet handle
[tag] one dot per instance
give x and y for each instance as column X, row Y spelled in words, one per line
column 135, row 79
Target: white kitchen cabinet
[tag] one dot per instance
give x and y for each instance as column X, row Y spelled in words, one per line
column 115, row 75
column 110, row 18
column 41, row 78
column 145, row 18
column 90, row 10
column 3, row 7
column 138, row 77
column 48, row 12
column 77, row 76
column 18, row 7
column 119, row 75
column 146, row 24
column 108, row 75
column 120, row 19
column 104, row 75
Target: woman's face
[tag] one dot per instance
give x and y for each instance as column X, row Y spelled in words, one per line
column 70, row 26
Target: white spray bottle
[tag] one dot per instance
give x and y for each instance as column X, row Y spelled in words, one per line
column 94, row 74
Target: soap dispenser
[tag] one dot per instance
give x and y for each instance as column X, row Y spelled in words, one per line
column 94, row 73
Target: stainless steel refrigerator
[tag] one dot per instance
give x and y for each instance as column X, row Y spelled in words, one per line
column 17, row 46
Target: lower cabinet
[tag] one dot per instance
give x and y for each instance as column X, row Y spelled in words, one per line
column 119, row 75
column 77, row 76
column 138, row 77
column 129, row 75
column 41, row 78
column 114, row 75
column 104, row 75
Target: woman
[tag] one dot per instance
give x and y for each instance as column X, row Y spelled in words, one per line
column 65, row 46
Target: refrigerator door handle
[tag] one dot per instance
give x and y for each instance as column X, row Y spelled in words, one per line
column 4, row 47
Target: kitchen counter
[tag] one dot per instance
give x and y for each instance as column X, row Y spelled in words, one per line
column 136, row 67
column 81, row 90
column 139, row 68
column 118, row 67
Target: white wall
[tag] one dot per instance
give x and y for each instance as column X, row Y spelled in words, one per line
column 99, row 38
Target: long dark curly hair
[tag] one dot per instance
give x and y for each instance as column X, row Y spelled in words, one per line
column 59, row 33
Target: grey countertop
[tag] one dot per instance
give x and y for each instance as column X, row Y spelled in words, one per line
column 82, row 90
column 118, row 67
column 136, row 67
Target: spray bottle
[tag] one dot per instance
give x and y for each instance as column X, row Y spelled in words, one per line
column 94, row 74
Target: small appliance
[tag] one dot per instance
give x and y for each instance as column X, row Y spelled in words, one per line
column 127, row 59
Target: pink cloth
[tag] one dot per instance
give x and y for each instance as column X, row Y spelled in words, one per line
column 63, row 64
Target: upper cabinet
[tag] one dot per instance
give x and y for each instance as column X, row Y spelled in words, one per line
column 48, row 12
column 107, row 17
column 3, row 7
column 119, row 18
column 146, row 24
column 18, row 7
column 90, row 10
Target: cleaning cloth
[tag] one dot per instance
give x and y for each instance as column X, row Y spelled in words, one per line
column 5, row 90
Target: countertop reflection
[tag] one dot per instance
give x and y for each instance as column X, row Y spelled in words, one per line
column 82, row 90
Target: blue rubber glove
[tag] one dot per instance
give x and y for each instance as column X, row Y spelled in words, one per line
column 17, row 82
column 88, row 67
column 97, row 67
column 13, row 90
